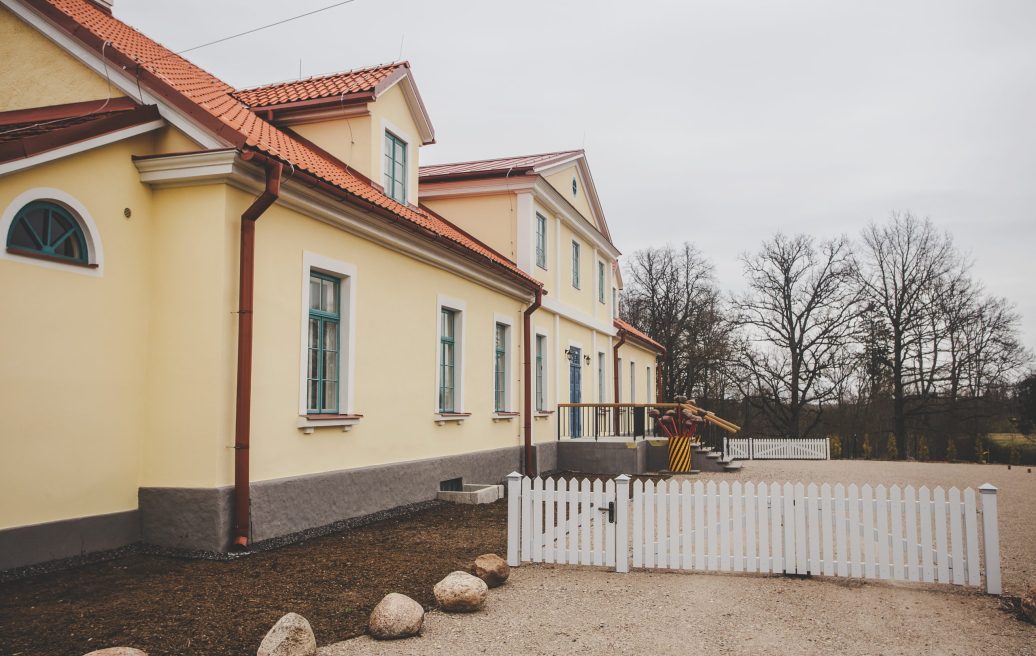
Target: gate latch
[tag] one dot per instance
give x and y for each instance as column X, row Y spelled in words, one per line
column 610, row 510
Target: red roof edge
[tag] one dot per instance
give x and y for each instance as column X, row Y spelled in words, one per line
column 67, row 110
column 636, row 334
column 64, row 135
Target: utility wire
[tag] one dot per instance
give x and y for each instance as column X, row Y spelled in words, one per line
column 253, row 30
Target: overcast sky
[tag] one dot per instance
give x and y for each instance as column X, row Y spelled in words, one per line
column 713, row 122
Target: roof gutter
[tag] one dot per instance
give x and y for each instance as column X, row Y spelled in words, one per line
column 530, row 463
column 615, row 371
column 243, row 406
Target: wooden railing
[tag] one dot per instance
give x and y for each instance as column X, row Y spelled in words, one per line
column 628, row 420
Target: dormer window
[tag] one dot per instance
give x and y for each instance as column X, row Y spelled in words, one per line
column 395, row 167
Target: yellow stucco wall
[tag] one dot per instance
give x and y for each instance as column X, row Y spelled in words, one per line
column 396, row 347
column 73, row 358
column 348, row 139
column 562, row 181
column 489, row 218
column 641, row 358
column 48, row 77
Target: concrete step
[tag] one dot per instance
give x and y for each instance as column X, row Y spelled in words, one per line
column 734, row 466
column 715, row 455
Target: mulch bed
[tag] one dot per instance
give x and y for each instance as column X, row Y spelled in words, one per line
column 176, row 607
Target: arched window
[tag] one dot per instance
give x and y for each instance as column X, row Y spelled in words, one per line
column 46, row 229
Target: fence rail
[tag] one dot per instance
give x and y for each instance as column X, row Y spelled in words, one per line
column 891, row 533
column 777, row 448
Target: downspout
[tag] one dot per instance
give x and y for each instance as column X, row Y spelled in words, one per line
column 530, row 465
column 615, row 374
column 242, row 430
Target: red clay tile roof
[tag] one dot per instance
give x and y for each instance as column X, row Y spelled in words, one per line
column 28, row 132
column 210, row 101
column 494, row 167
column 323, row 86
column 629, row 328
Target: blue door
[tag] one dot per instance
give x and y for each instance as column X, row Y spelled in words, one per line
column 575, row 391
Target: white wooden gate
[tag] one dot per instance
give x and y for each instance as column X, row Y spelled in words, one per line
column 850, row 531
column 777, row 448
column 567, row 521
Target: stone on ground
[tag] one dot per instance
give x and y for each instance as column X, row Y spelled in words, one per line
column 395, row 616
column 461, row 592
column 492, row 569
column 290, row 636
column 1029, row 604
column 117, row 651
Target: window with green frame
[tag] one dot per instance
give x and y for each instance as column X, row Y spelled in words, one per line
column 447, row 360
column 601, row 395
column 323, row 378
column 500, row 369
column 575, row 264
column 541, row 391
column 541, row 241
column 395, row 167
column 600, row 282
column 48, row 230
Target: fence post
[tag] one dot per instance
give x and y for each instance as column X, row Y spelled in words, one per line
column 991, row 538
column 622, row 511
column 514, row 517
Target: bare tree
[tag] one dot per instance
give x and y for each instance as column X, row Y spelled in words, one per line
column 799, row 315
column 906, row 269
column 671, row 294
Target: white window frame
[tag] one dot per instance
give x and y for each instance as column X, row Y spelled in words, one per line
column 602, row 375
column 409, row 140
column 545, row 378
column 346, row 274
column 577, row 264
column 541, row 219
column 650, row 397
column 460, row 307
column 601, row 282
column 509, row 400
column 78, row 211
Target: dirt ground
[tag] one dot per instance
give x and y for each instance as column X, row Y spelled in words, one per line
column 172, row 607
column 184, row 607
column 547, row 609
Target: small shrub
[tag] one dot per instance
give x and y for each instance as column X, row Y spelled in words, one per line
column 1016, row 456
column 922, row 449
column 980, row 452
column 866, row 447
column 836, row 447
column 891, row 452
column 951, row 449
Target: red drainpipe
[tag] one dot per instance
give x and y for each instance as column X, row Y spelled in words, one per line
column 615, row 373
column 530, row 465
column 242, row 430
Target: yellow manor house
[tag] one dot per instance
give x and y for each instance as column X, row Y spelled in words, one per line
column 231, row 316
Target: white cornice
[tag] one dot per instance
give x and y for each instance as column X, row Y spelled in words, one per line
column 544, row 192
column 120, row 78
column 578, row 316
column 79, row 147
column 224, row 166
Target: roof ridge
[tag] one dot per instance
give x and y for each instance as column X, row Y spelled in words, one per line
column 505, row 158
column 325, row 76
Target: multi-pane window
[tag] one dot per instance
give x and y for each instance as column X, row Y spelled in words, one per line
column 600, row 282
column 395, row 167
column 541, row 383
column 324, row 338
column 500, row 369
column 48, row 230
column 447, row 361
column 575, row 264
column 600, row 378
column 541, row 241
column 650, row 398
column 633, row 382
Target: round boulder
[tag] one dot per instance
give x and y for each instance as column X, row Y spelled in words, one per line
column 395, row 616
column 492, row 569
column 1028, row 604
column 117, row 651
column 290, row 636
column 460, row 592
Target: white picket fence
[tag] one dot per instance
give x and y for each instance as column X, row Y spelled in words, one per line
column 849, row 531
column 777, row 448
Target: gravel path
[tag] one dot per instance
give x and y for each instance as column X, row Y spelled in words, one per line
column 571, row 610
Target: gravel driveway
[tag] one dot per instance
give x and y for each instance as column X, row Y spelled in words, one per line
column 572, row 610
